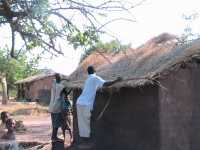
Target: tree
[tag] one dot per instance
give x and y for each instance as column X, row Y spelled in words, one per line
column 41, row 23
column 12, row 70
column 4, row 89
column 189, row 35
column 109, row 47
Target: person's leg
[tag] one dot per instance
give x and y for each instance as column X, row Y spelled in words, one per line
column 63, row 131
column 54, row 133
column 83, row 115
column 68, row 126
column 54, row 119
column 63, row 123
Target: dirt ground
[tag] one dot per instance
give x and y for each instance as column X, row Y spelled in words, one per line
column 36, row 120
column 38, row 129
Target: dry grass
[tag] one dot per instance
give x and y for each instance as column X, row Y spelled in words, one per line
column 144, row 64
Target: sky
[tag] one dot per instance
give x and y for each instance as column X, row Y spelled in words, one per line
column 153, row 17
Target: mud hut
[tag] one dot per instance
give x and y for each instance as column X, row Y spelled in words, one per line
column 156, row 106
column 37, row 87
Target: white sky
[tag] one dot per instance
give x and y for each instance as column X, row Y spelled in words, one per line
column 153, row 18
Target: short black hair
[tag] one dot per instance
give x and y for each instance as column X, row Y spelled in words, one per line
column 65, row 91
column 58, row 78
column 90, row 70
column 4, row 115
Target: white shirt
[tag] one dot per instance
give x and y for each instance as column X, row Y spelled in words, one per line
column 55, row 104
column 88, row 94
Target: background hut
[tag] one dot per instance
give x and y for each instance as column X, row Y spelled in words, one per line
column 37, row 87
column 156, row 106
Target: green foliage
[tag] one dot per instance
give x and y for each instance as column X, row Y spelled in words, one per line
column 38, row 25
column 42, row 23
column 16, row 69
column 110, row 47
column 189, row 34
column 88, row 37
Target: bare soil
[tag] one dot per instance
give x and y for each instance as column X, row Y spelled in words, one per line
column 36, row 120
column 38, row 130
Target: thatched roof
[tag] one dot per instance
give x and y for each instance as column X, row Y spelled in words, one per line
column 34, row 78
column 38, row 77
column 98, row 60
column 95, row 59
column 148, row 61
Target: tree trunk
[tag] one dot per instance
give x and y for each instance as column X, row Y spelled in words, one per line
column 4, row 91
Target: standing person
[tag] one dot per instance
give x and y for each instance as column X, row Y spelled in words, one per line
column 55, row 106
column 66, row 112
column 85, row 104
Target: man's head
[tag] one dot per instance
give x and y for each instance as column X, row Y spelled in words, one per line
column 58, row 78
column 4, row 116
column 65, row 91
column 91, row 70
column 10, row 124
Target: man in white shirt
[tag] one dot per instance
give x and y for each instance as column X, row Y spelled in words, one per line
column 86, row 100
column 55, row 107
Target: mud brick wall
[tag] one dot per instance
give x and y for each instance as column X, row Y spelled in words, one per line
column 39, row 89
column 150, row 118
column 131, row 121
column 43, row 84
column 180, row 109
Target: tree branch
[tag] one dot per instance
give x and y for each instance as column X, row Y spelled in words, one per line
column 113, row 20
column 12, row 52
column 26, row 19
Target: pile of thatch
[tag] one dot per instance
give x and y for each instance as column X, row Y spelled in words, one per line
column 144, row 64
